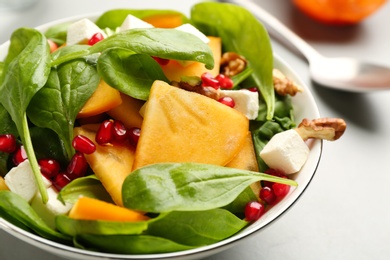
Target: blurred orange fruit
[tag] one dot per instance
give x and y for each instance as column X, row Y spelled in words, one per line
column 338, row 12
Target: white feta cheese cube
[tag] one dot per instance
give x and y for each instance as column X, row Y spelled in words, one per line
column 81, row 31
column 247, row 102
column 132, row 22
column 286, row 151
column 20, row 180
column 193, row 30
column 51, row 209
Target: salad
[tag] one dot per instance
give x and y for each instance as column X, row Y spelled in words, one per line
column 142, row 132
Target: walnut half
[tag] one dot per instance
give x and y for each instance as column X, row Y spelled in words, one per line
column 198, row 88
column 284, row 85
column 232, row 64
column 329, row 129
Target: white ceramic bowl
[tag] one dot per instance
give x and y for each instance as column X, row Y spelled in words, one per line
column 305, row 107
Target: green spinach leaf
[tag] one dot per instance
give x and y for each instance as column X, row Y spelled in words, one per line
column 242, row 34
column 187, row 186
column 132, row 74
column 89, row 186
column 57, row 104
column 242, row 76
column 163, row 43
column 128, row 244
column 57, row 33
column 237, row 206
column 114, row 18
column 73, row 227
column 27, row 67
column 196, row 228
column 1, row 68
column 47, row 144
column 15, row 209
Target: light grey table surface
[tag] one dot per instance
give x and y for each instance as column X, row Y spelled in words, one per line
column 345, row 212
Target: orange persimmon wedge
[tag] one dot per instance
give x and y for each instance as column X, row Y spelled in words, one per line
column 92, row 209
column 103, row 99
column 164, row 20
column 183, row 126
column 128, row 111
column 246, row 158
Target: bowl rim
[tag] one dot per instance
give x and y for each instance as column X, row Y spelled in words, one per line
column 69, row 251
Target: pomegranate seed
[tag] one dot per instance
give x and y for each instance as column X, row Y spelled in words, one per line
column 19, row 156
column 49, row 168
column 254, row 89
column 105, row 133
column 77, row 166
column 275, row 172
column 253, row 210
column 280, row 190
column 209, row 81
column 161, row 61
column 97, row 37
column 7, row 143
column 228, row 101
column 120, row 131
column 61, row 180
column 134, row 134
column 267, row 195
column 83, row 144
column 224, row 81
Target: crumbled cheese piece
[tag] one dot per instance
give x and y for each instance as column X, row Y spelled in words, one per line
column 247, row 102
column 81, row 31
column 286, row 151
column 20, row 180
column 51, row 209
column 193, row 30
column 132, row 22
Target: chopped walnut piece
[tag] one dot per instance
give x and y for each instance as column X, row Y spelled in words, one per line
column 329, row 129
column 206, row 91
column 232, row 64
column 284, row 85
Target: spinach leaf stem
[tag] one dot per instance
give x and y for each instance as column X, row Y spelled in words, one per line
column 26, row 139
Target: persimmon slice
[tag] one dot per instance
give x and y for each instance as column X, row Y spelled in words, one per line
column 182, row 126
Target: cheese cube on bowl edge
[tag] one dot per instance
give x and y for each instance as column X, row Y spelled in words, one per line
column 286, row 151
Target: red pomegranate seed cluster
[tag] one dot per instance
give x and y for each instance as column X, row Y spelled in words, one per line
column 273, row 192
column 220, row 81
column 270, row 194
column 109, row 132
column 114, row 131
